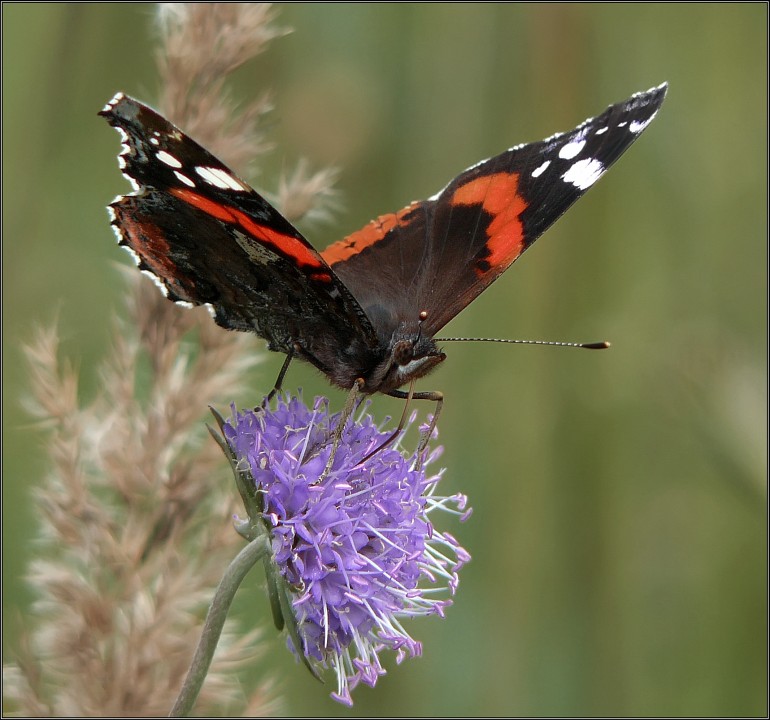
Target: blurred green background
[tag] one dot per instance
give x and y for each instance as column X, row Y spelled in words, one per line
column 620, row 525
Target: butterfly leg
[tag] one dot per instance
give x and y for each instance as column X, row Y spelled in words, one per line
column 400, row 427
column 433, row 395
column 279, row 380
column 347, row 411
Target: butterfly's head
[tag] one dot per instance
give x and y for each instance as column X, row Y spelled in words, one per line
column 409, row 355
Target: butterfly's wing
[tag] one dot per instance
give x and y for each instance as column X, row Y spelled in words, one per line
column 207, row 238
column 438, row 255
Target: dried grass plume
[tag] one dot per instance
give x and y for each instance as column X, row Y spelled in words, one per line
column 135, row 512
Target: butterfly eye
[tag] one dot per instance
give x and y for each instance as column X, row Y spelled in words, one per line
column 403, row 352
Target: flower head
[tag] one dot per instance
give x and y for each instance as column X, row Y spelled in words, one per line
column 356, row 547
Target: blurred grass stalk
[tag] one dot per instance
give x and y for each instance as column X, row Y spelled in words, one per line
column 134, row 532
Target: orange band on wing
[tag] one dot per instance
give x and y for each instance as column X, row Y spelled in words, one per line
column 366, row 236
column 498, row 195
column 285, row 244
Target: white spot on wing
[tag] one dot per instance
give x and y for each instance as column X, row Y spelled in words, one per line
column 132, row 253
column 220, row 178
column 637, row 126
column 125, row 151
column 572, row 149
column 118, row 234
column 157, row 281
column 112, row 103
column 584, row 173
column 154, row 141
column 601, row 131
column 123, row 136
column 184, row 179
column 537, row 172
column 168, row 159
column 135, row 186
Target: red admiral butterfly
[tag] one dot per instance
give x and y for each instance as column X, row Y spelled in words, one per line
column 366, row 310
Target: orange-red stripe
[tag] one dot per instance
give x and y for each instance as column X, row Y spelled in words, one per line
column 286, row 244
column 498, row 195
column 375, row 231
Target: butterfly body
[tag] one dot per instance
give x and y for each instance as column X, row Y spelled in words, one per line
column 367, row 309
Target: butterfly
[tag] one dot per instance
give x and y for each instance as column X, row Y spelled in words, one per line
column 366, row 310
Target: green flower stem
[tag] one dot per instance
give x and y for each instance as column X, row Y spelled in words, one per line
column 215, row 620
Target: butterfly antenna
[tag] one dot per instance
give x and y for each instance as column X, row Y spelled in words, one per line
column 588, row 346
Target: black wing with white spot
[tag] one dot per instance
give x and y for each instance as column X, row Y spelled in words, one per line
column 370, row 304
column 207, row 238
column 557, row 171
column 437, row 255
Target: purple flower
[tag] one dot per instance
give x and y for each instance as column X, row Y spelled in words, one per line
column 357, row 547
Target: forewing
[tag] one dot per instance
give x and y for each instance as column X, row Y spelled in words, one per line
column 437, row 256
column 208, row 238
